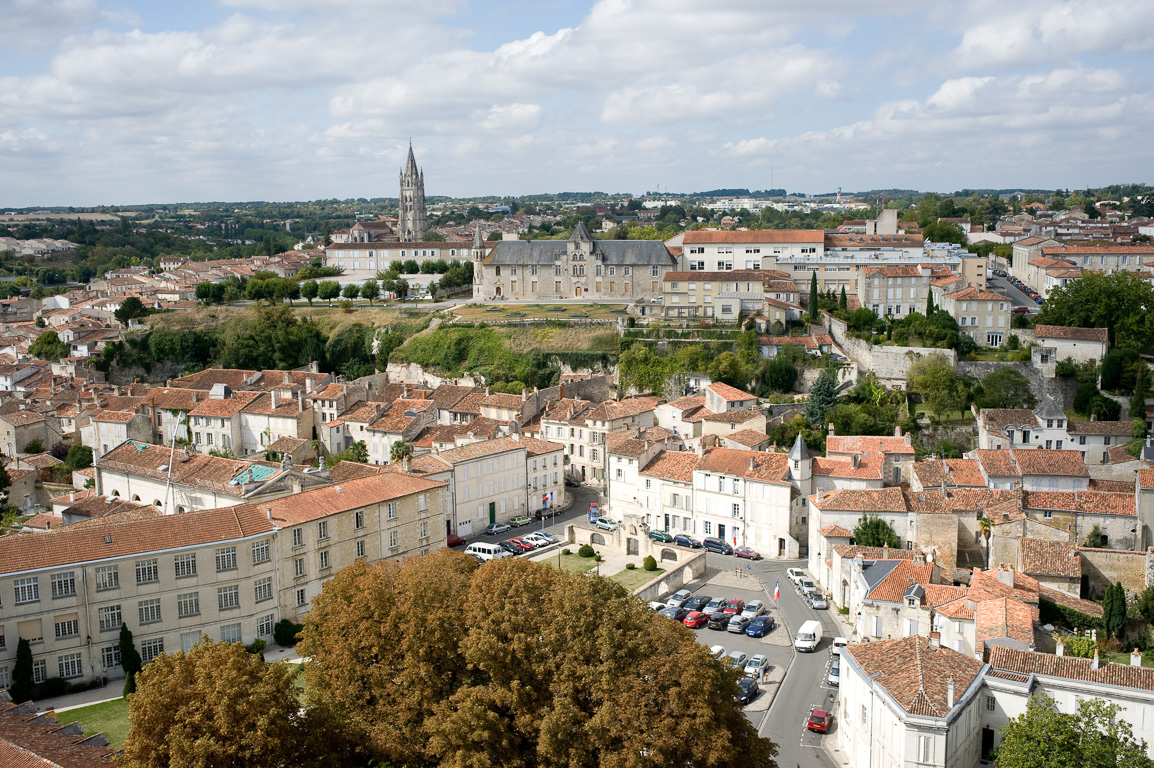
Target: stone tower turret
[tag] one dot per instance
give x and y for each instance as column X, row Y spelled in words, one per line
column 413, row 221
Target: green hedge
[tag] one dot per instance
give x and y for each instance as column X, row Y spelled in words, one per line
column 1061, row 616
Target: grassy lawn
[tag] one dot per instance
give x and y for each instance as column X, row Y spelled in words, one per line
column 1124, row 658
column 631, row 580
column 481, row 313
column 573, row 563
column 110, row 717
column 952, row 417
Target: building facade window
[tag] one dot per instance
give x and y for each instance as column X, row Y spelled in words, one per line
column 324, row 559
column 262, row 590
column 70, row 665
column 359, row 519
column 67, row 628
column 185, row 565
column 361, row 548
column 300, row 597
column 260, row 552
column 149, row 611
column 228, row 597
column 188, row 604
column 110, row 656
column 27, row 590
column 146, row 571
column 323, row 529
column 107, row 577
column 230, row 633
column 150, row 649
column 63, row 584
column 226, row 559
column 298, row 537
column 109, row 618
column 264, row 625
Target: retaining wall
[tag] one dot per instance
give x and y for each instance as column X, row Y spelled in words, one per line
column 889, row 364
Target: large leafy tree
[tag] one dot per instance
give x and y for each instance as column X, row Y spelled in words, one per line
column 938, row 383
column 872, row 531
column 129, row 309
column 218, row 704
column 328, row 290
column 1119, row 302
column 639, row 367
column 48, row 346
column 440, row 661
column 1007, row 388
column 1092, row 736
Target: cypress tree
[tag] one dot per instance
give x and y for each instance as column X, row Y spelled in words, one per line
column 129, row 660
column 843, row 302
column 22, row 677
column 813, row 296
column 930, row 304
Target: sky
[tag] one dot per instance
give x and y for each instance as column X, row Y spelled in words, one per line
column 120, row 103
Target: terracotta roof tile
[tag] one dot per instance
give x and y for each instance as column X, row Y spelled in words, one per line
column 751, row 465
column 1004, row 617
column 851, row 551
column 1087, row 502
column 1000, row 418
column 915, row 674
column 893, row 587
column 199, row 469
column 866, row 444
column 346, row 496
column 1070, row 667
column 1079, row 334
column 954, row 473
column 835, row 531
column 470, row 403
column 734, row 417
column 1059, row 597
column 83, row 543
column 498, row 400
column 1146, row 478
column 755, row 236
column 673, row 465
column 1040, row 461
column 29, row 740
column 225, row 408
column 863, row 500
column 728, row 393
column 1100, row 428
column 747, row 437
column 687, row 403
column 869, row 467
column 612, row 409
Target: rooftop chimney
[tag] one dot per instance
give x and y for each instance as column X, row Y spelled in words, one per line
column 1006, row 576
column 855, row 461
column 407, row 464
column 273, row 394
column 1136, row 658
column 885, row 552
column 1061, row 649
column 898, row 431
column 831, row 429
column 935, row 640
column 950, row 693
column 1095, row 664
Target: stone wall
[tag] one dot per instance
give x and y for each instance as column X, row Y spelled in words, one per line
column 1107, row 566
column 889, row 364
column 673, row 579
column 938, row 533
column 413, row 372
column 1061, row 390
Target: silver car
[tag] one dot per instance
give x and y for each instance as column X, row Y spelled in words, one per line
column 834, row 676
column 817, row 600
column 678, row 598
column 757, row 665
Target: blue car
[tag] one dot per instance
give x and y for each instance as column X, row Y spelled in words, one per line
column 682, row 540
column 760, row 626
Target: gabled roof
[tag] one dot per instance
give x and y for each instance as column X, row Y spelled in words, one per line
column 709, row 236
column 1049, row 558
column 862, row 500
column 866, row 444
column 1079, row 334
column 914, row 674
column 751, row 465
column 728, row 393
column 677, row 466
column 346, row 496
column 1069, row 667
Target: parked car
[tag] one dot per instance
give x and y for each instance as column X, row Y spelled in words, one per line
column 674, row 612
column 682, row 540
column 521, row 544
column 734, row 606
column 760, row 626
column 509, row 547
column 837, row 644
column 679, row 598
column 714, row 544
column 817, row 601
column 737, row 659
column 605, row 524
column 657, row 605
column 662, row 536
column 453, row 540
column 715, row 605
column 737, row 624
column 795, row 574
column 747, row 553
column 753, row 609
column 696, row 620
column 698, row 602
column 520, row 520
column 537, row 539
column 545, row 514
column 819, row 720
column 549, row 537
column 570, row 483
column 717, row 651
column 757, row 665
column 747, row 690
column 834, row 676
column 719, row 621
column 496, row 529
column 1020, row 310
column 805, row 585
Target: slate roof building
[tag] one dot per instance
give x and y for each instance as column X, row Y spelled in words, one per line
column 536, row 270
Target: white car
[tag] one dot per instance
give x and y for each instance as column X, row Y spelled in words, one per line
column 537, row 539
column 657, row 605
column 838, row 644
column 717, row 651
column 678, row 598
column 757, row 665
column 753, row 609
column 795, row 574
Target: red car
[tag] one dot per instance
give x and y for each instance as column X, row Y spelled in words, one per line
column 819, row 720
column 746, row 552
column 453, row 540
column 696, row 620
column 734, row 606
column 521, row 544
column 1020, row 310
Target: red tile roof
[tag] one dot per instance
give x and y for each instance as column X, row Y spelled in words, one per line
column 1079, row 334
column 893, row 587
column 673, row 465
column 752, row 465
column 1049, row 558
column 866, row 444
column 1086, row 502
column 1100, row 428
column 1061, row 598
column 1069, row 667
column 954, row 473
column 869, row 467
column 747, row 437
column 754, row 236
column 347, row 496
column 862, row 500
column 1004, row 617
column 835, row 531
column 1041, row 461
column 728, row 393
column 915, row 674
column 83, row 543
column 28, row 740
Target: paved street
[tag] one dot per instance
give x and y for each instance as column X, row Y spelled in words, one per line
column 577, row 512
column 1019, row 299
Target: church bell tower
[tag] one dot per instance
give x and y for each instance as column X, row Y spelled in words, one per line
column 413, row 221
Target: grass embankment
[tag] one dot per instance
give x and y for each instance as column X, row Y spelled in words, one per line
column 109, row 717
column 631, row 580
column 329, row 319
column 572, row 563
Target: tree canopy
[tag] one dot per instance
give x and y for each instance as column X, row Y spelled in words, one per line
column 937, row 381
column 441, row 661
column 48, row 346
column 1090, row 737
column 822, row 397
column 872, row 531
column 1118, row 301
column 1007, row 388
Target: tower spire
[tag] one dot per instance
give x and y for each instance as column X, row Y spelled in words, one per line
column 413, row 220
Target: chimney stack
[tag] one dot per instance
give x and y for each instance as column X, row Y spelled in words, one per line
column 935, row 640
column 273, row 395
column 1095, row 664
column 831, row 429
column 1136, row 658
column 407, row 464
column 950, row 693
column 898, row 431
column 1061, row 649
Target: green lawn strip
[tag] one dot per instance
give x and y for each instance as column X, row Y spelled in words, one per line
column 635, row 578
column 572, row 563
column 109, row 717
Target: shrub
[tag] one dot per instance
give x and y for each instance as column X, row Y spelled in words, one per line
column 598, row 558
column 566, row 552
column 1081, row 646
column 285, row 632
column 630, row 566
column 257, row 647
column 649, row 563
column 585, row 551
column 52, row 687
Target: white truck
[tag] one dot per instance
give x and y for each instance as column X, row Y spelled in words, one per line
column 808, row 636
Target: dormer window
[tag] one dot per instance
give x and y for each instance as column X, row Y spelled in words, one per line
column 912, row 602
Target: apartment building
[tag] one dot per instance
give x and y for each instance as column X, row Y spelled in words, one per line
column 895, row 290
column 984, row 315
column 229, row 573
column 746, row 498
column 721, row 295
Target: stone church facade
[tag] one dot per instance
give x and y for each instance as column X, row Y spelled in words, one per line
column 580, row 268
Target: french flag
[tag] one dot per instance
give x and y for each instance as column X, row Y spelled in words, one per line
column 776, row 590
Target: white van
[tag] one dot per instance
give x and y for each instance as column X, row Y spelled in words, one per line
column 808, row 637
column 484, row 551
